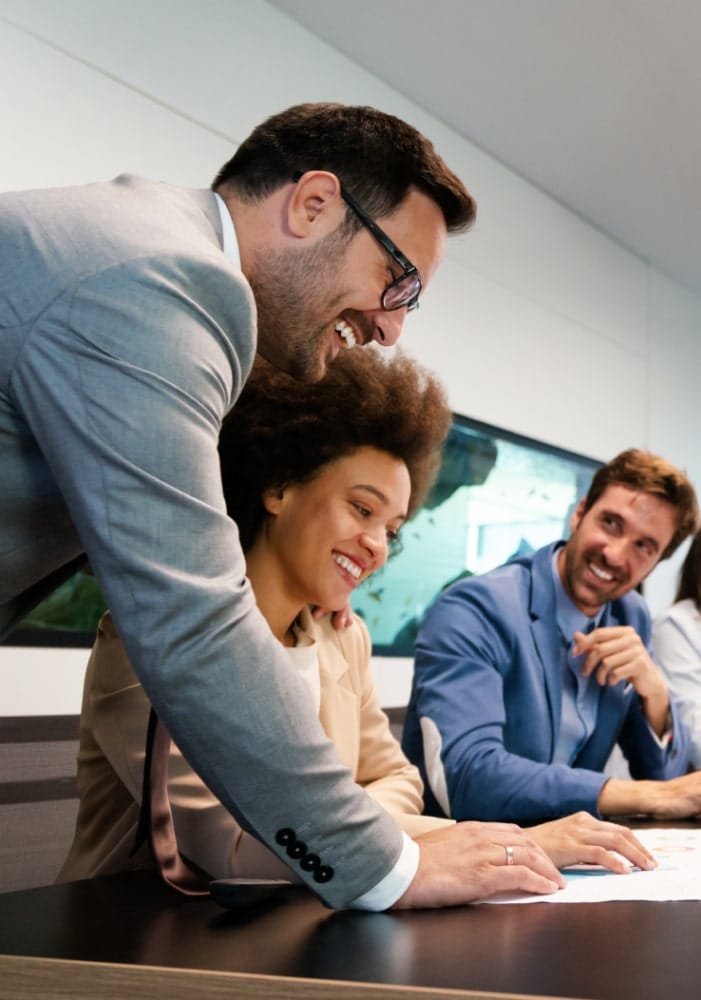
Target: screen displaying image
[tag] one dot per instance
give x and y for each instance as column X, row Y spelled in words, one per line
column 67, row 617
column 498, row 495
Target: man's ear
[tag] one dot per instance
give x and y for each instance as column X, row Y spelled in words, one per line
column 577, row 514
column 315, row 206
column 273, row 499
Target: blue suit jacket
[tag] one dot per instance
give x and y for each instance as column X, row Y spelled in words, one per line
column 486, row 702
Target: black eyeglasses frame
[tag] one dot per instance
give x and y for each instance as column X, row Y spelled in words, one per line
column 409, row 270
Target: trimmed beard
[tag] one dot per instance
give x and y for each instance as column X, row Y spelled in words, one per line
column 295, row 305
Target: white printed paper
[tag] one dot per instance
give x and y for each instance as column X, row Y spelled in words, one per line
column 678, row 875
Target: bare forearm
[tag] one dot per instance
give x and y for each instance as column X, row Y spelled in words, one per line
column 656, row 709
column 620, row 797
column 678, row 798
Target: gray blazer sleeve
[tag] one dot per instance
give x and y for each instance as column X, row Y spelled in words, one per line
column 122, row 380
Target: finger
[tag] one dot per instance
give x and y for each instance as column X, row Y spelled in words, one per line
column 615, row 842
column 578, row 642
column 591, row 663
column 581, row 643
column 631, row 848
column 607, row 673
column 618, row 659
column 620, row 674
column 602, row 674
column 614, row 677
column 592, row 855
column 520, row 878
column 617, row 645
column 499, row 830
column 621, row 861
column 528, row 855
column 489, row 830
column 606, row 651
column 509, row 851
column 607, row 633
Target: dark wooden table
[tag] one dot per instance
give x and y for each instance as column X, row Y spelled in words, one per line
column 603, row 951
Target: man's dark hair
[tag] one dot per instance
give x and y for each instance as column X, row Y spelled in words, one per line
column 376, row 157
column 647, row 473
column 690, row 576
column 283, row 432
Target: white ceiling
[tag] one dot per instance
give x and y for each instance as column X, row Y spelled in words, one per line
column 595, row 101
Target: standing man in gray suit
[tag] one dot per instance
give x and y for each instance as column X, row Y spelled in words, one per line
column 130, row 313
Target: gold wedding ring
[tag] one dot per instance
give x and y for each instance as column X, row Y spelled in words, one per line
column 509, row 855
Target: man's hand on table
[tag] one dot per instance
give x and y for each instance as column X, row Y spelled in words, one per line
column 470, row 861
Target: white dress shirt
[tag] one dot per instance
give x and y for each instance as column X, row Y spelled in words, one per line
column 676, row 643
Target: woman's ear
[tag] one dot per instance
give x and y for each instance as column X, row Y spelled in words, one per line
column 273, row 499
column 315, row 205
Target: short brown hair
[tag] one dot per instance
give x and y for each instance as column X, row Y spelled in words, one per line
column 647, row 473
column 376, row 156
column 282, row 431
column 690, row 575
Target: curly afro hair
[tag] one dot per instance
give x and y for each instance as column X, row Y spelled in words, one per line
column 282, row 431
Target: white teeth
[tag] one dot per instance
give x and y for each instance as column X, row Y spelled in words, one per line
column 346, row 334
column 601, row 573
column 348, row 565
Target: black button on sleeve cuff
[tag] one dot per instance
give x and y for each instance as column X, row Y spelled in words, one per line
column 297, row 851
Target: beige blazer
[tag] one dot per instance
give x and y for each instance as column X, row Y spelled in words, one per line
column 110, row 764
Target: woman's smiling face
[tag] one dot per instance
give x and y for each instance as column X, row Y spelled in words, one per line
column 328, row 534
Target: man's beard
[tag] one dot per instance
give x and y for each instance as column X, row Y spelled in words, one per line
column 296, row 305
column 580, row 590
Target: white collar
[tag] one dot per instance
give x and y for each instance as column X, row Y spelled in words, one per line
column 230, row 243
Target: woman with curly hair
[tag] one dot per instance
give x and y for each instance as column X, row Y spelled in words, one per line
column 319, row 479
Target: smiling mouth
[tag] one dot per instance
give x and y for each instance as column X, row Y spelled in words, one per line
column 601, row 574
column 346, row 333
column 348, row 565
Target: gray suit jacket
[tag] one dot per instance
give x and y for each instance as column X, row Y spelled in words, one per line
column 125, row 336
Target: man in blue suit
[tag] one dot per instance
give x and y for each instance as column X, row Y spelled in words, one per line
column 526, row 677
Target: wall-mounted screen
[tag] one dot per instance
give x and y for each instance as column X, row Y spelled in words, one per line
column 497, row 495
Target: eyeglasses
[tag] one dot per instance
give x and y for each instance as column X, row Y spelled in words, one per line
column 403, row 290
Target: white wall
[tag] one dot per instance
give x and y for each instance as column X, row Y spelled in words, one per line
column 537, row 322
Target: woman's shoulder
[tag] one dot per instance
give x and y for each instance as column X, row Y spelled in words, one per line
column 680, row 612
column 353, row 641
column 681, row 619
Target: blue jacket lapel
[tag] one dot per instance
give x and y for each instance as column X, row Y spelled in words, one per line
column 546, row 637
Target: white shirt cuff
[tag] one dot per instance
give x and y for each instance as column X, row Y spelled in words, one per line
column 663, row 740
column 395, row 883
